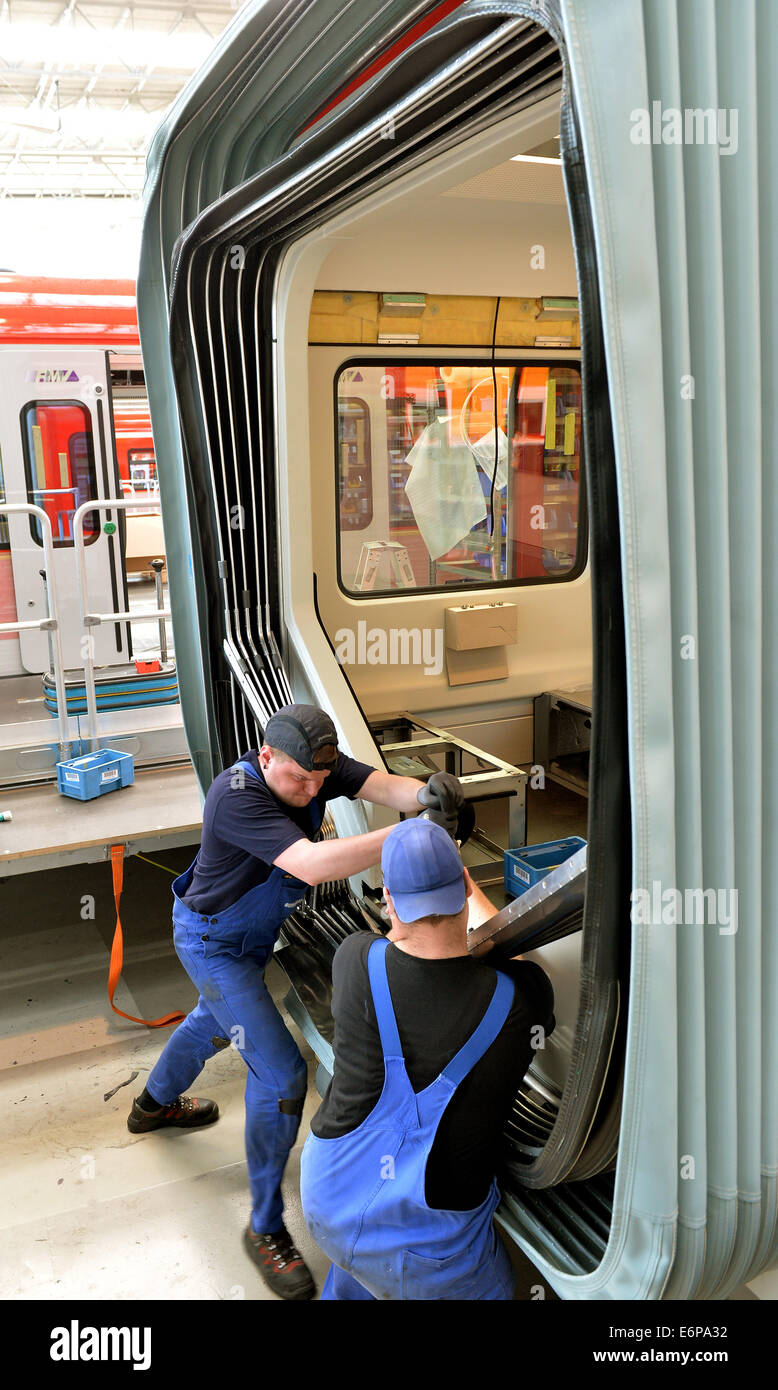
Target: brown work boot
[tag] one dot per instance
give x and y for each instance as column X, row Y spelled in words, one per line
column 280, row 1263
column 185, row 1112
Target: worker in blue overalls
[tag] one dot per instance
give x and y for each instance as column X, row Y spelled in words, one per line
column 398, row 1173
column 256, row 859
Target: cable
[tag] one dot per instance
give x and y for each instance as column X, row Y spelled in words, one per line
column 157, row 865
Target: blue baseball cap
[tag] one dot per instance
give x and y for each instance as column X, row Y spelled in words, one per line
column 423, row 871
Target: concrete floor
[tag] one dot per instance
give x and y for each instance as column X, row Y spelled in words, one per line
column 101, row 1213
column 87, row 1210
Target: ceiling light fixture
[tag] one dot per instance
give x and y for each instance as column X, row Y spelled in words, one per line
column 533, row 159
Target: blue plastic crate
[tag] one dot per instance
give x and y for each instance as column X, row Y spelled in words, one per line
column 531, row 863
column 95, row 774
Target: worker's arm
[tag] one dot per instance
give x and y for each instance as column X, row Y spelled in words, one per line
column 330, row 859
column 333, row 858
column 387, row 789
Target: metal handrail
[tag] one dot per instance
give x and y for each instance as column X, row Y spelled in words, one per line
column 89, row 620
column 49, row 624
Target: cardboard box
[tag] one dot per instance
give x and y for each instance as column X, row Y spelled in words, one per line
column 481, row 664
column 484, row 625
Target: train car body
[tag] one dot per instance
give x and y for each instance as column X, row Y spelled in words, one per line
column 354, row 232
column 74, row 424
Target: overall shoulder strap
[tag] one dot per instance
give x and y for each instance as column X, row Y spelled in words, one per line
column 384, row 1012
column 486, row 1032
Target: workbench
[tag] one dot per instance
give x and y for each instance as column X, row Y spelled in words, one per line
column 162, row 809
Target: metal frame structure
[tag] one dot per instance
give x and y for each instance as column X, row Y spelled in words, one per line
column 501, row 779
column 90, row 620
column 79, row 104
column 50, row 624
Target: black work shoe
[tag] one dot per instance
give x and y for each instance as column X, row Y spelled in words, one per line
column 184, row 1112
column 280, row 1263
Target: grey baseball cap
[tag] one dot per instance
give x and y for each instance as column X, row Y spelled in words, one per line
column 307, row 734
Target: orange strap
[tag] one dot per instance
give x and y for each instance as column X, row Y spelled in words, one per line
column 117, row 948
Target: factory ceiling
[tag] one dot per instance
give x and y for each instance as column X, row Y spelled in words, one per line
column 84, row 85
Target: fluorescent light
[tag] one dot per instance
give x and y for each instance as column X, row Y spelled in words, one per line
column 44, row 120
column 93, row 123
column 84, row 46
column 533, row 159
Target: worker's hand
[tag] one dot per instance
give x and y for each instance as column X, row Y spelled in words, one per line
column 441, row 799
column 443, row 792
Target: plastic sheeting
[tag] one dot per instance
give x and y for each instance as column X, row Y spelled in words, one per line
column 443, row 488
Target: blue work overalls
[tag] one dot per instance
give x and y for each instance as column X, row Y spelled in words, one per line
column 225, row 956
column 363, row 1193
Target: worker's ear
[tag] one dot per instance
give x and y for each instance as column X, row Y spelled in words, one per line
column 388, row 900
column 468, row 883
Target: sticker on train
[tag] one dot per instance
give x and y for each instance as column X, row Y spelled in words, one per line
column 51, row 376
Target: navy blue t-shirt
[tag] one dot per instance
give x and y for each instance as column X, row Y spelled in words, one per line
column 246, row 827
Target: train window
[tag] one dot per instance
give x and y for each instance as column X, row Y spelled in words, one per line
column 59, row 460
column 542, row 531
column 470, row 485
column 355, row 477
column 142, row 467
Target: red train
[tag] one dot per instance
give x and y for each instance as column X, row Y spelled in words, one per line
column 74, row 424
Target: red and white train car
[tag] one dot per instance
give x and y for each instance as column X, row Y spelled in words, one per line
column 74, row 424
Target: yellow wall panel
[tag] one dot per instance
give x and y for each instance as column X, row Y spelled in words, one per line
column 451, row 319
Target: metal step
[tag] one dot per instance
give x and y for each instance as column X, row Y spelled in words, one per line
column 29, row 751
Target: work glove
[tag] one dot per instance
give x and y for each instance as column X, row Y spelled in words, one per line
column 441, row 798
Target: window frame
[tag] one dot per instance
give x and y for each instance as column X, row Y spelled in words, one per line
column 58, row 543
column 438, row 360
column 369, row 453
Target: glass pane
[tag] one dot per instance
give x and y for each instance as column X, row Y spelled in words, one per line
column 545, row 472
column 467, row 485
column 60, row 465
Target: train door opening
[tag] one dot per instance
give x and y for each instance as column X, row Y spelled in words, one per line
column 452, row 579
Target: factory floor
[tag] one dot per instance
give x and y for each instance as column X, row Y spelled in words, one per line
column 87, row 1210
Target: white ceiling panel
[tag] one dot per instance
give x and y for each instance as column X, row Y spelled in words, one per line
column 83, row 87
